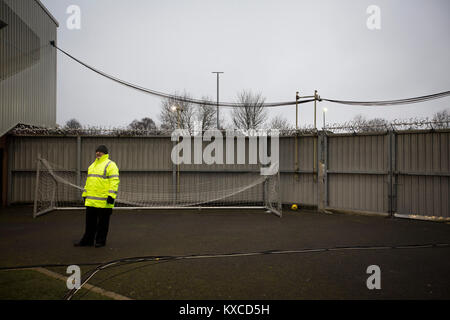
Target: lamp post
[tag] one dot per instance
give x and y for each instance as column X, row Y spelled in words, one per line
column 324, row 112
column 218, row 74
column 315, row 109
column 297, row 98
column 177, row 109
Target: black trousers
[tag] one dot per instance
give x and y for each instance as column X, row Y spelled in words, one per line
column 97, row 225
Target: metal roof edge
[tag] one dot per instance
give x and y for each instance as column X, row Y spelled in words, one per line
column 47, row 12
column 5, row 132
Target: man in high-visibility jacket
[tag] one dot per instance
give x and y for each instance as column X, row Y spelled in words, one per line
column 99, row 195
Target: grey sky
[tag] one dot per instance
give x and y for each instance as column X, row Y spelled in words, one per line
column 275, row 47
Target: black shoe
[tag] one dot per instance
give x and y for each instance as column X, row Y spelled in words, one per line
column 100, row 244
column 83, row 244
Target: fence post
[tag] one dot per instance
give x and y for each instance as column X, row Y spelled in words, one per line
column 174, row 178
column 392, row 198
column 36, row 186
column 321, row 172
column 9, row 190
column 4, row 168
column 79, row 160
column 394, row 168
column 325, row 158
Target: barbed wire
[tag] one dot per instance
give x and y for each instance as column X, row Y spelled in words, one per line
column 346, row 127
column 394, row 125
column 23, row 129
column 27, row 130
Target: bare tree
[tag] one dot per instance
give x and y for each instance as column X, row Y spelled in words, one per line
column 359, row 121
column 73, row 124
column 177, row 114
column 145, row 124
column 280, row 123
column 377, row 124
column 441, row 120
column 360, row 124
column 252, row 115
column 206, row 115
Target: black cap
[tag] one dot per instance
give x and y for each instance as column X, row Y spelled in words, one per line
column 102, row 148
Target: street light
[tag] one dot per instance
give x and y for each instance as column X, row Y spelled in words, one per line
column 315, row 109
column 177, row 109
column 324, row 112
column 218, row 73
column 297, row 98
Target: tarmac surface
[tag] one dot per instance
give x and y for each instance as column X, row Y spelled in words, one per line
column 411, row 273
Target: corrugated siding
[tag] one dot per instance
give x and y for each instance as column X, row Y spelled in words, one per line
column 305, row 153
column 422, row 160
column 28, row 63
column 224, row 166
column 143, row 186
column 356, row 180
column 196, row 183
column 423, row 152
column 358, row 170
column 424, row 195
column 23, row 184
column 358, row 192
column 144, row 154
column 358, row 153
column 300, row 189
column 61, row 151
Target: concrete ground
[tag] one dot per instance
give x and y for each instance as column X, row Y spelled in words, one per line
column 419, row 273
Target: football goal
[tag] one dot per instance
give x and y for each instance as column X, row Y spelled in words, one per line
column 58, row 188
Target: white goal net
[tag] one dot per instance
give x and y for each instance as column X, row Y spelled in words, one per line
column 60, row 188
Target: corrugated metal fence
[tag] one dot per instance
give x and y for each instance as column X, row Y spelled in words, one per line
column 401, row 173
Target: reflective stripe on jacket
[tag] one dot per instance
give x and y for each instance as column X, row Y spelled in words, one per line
column 102, row 181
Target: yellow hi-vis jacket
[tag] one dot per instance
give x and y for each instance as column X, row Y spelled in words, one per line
column 102, row 181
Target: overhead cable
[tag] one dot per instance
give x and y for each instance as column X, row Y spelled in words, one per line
column 179, row 98
column 391, row 102
column 301, row 100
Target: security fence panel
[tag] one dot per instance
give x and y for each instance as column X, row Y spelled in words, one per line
column 405, row 173
column 423, row 170
column 357, row 172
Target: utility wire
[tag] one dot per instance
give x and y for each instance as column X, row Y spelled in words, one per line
column 392, row 102
column 158, row 259
column 175, row 97
column 150, row 264
column 54, row 265
column 265, row 105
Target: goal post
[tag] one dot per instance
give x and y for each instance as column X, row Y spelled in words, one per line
column 56, row 189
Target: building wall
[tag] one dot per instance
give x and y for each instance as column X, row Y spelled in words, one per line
column 27, row 65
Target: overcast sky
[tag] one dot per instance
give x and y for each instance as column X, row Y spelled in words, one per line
column 274, row 47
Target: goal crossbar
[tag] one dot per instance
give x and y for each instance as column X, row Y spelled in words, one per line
column 56, row 189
